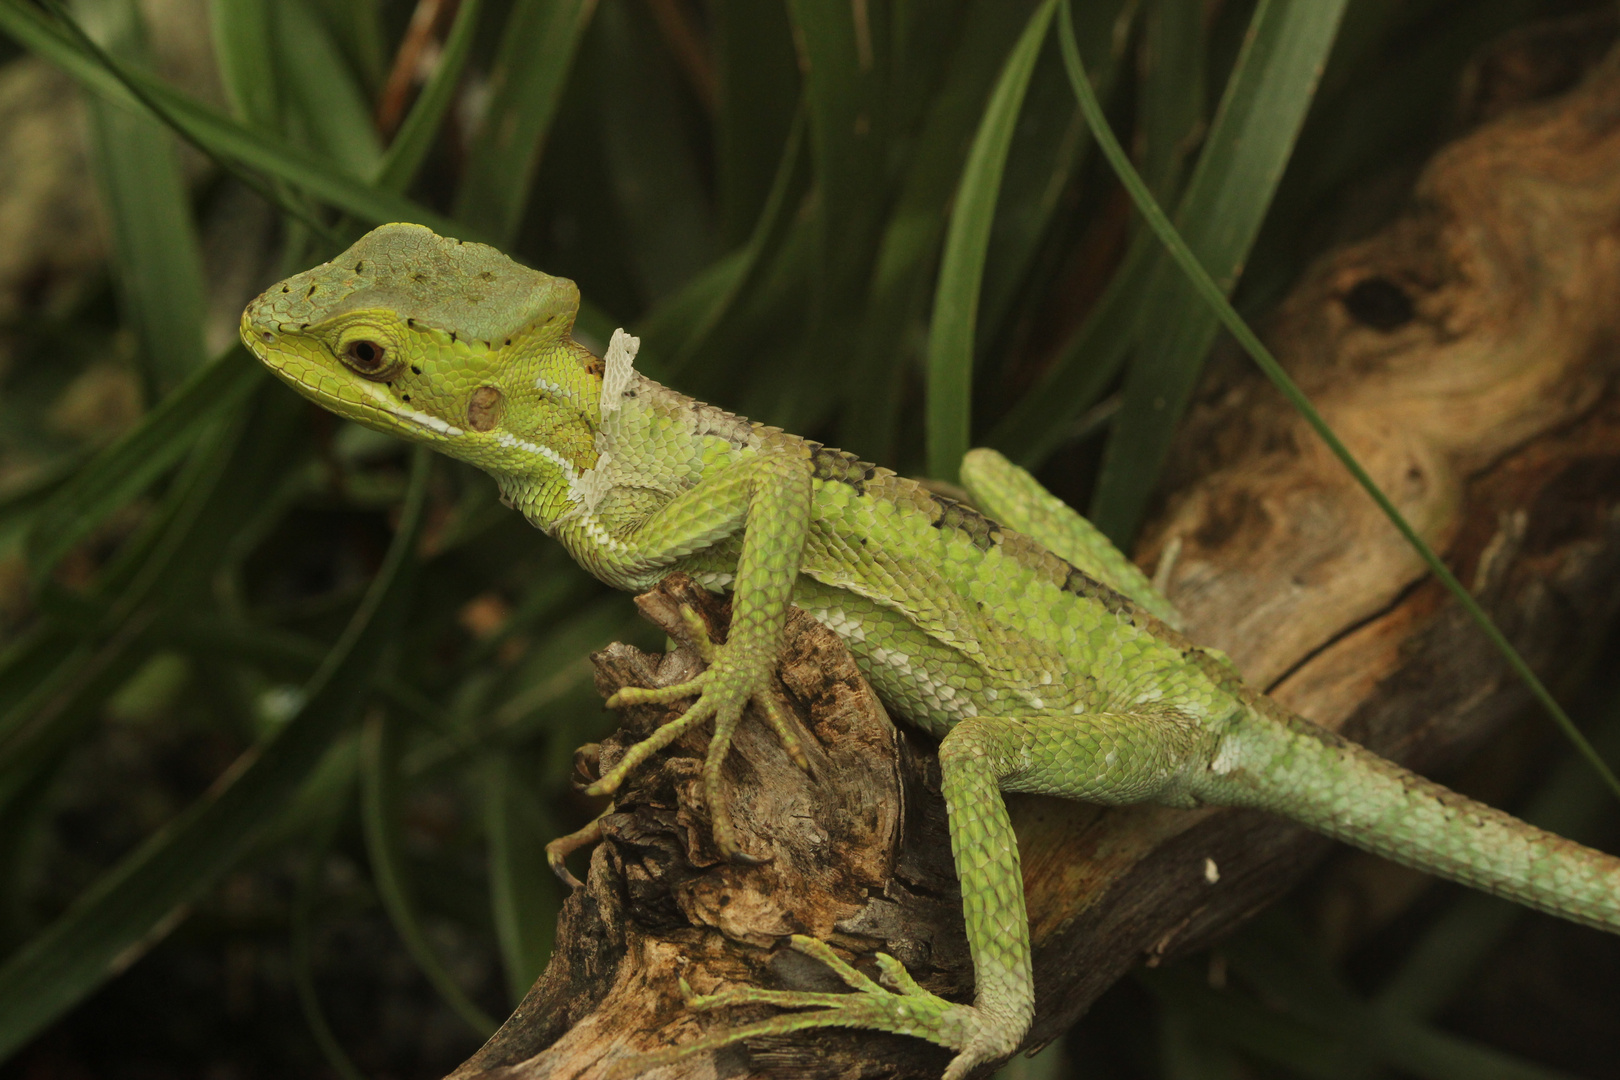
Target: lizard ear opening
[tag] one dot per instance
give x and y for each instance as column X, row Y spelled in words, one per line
column 485, row 408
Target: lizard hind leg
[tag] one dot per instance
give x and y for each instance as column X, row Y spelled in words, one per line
column 1109, row 758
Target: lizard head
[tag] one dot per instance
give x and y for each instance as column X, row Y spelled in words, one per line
column 437, row 341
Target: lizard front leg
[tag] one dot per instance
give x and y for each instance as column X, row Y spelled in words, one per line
column 767, row 497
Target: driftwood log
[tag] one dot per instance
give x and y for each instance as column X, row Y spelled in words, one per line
column 1467, row 353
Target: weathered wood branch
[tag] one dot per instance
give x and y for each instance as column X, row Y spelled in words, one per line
column 1467, row 353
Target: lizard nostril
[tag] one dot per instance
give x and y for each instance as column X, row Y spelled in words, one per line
column 267, row 335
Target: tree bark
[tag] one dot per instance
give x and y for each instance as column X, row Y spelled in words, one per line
column 1467, row 354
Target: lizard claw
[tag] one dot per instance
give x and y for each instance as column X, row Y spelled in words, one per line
column 559, row 849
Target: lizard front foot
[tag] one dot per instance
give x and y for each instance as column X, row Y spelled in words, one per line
column 908, row 1009
column 722, row 692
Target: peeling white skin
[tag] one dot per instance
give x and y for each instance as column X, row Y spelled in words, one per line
column 619, row 370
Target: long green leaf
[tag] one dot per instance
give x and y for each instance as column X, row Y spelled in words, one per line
column 905, row 267
column 324, row 95
column 256, row 150
column 241, row 32
column 134, row 905
column 416, row 135
column 127, row 467
column 379, row 773
column 1249, row 144
column 956, row 299
column 760, row 102
column 156, row 257
column 1215, row 297
column 538, row 45
column 847, row 127
column 522, row 889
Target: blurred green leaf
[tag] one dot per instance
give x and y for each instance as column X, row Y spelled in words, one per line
column 139, row 901
column 379, row 773
column 328, row 101
column 892, row 333
column 956, row 300
column 127, row 467
column 242, row 30
column 523, row 891
column 159, row 267
column 256, row 150
column 658, row 182
column 421, row 127
column 1225, row 203
column 840, row 52
column 758, row 79
column 538, row 44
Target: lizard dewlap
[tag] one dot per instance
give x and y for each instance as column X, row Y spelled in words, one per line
column 1038, row 654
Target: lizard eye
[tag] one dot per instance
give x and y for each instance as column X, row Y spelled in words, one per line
column 368, row 358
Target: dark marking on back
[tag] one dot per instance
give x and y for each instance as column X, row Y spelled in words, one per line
column 452, row 337
column 594, row 365
column 360, row 267
column 1083, row 585
column 984, row 533
column 840, row 466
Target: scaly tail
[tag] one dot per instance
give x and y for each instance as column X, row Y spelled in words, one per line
column 1293, row 768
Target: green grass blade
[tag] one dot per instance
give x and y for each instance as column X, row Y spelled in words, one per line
column 680, row 326
column 523, row 891
column 128, row 466
column 158, row 267
column 1045, row 417
column 1049, row 150
column 302, row 934
column 69, row 33
column 847, row 124
column 759, row 104
column 657, row 180
column 973, row 48
column 241, row 29
column 956, row 299
column 379, row 773
column 538, row 44
column 323, row 93
column 421, row 127
column 1215, row 297
column 220, row 135
column 1249, row 144
column 140, row 900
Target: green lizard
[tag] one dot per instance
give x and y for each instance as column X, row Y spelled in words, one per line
column 1039, row 656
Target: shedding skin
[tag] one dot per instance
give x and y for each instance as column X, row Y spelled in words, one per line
column 1042, row 658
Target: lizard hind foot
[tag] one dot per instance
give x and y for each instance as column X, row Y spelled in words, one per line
column 908, row 1009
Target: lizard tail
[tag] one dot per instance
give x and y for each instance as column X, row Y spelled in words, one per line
column 1300, row 771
